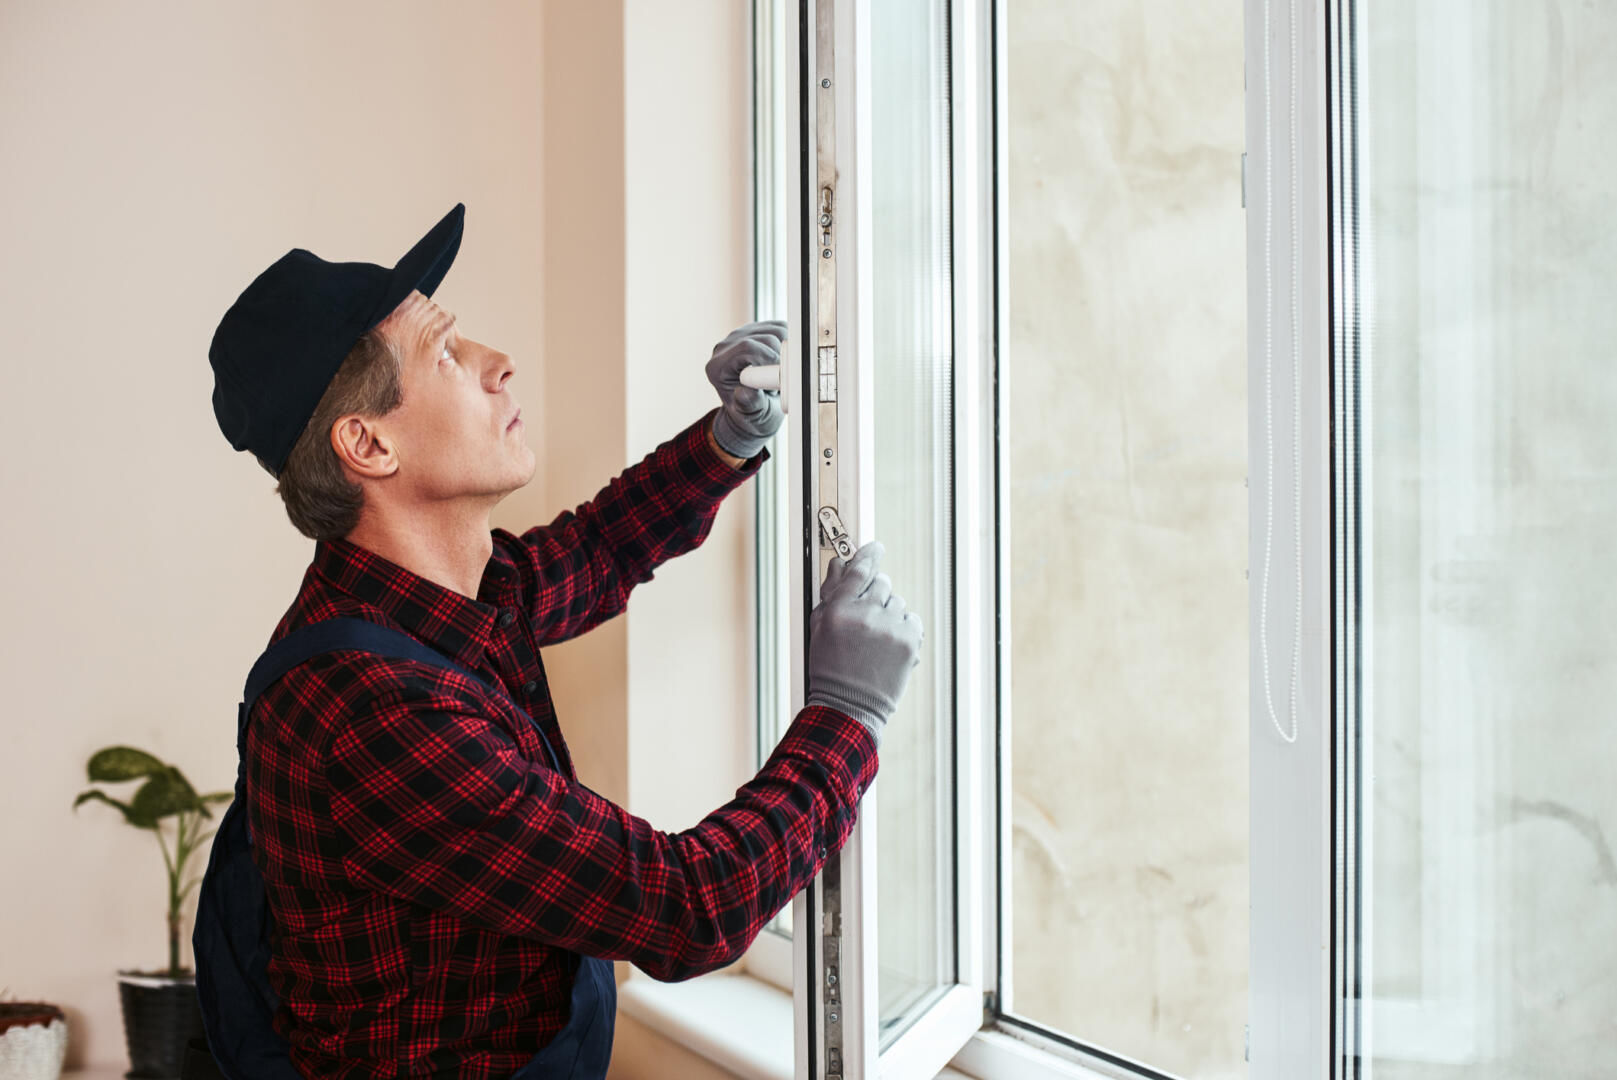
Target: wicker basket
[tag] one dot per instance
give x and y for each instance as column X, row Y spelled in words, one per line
column 33, row 1040
column 161, row 1014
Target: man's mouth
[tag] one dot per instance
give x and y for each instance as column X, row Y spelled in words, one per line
column 515, row 420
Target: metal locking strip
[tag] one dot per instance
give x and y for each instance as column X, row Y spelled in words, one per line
column 834, row 540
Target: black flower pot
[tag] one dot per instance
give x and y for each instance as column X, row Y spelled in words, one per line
column 161, row 1015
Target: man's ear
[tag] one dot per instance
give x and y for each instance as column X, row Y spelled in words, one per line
column 362, row 448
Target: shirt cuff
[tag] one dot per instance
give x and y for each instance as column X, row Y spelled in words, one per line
column 718, row 474
column 839, row 741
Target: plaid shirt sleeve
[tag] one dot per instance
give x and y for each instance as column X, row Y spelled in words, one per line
column 437, row 807
column 587, row 560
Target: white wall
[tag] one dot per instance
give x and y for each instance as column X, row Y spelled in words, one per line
column 689, row 283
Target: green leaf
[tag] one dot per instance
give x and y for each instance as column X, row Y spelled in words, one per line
column 131, row 814
column 123, row 763
column 164, row 795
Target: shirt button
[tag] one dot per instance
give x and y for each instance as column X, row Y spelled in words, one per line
column 531, row 685
column 507, row 617
column 822, row 851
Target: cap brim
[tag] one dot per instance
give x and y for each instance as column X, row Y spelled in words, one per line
column 423, row 267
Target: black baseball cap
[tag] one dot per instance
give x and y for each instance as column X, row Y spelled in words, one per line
column 279, row 345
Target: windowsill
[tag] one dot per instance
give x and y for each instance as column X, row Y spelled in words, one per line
column 735, row 1021
column 744, row 1025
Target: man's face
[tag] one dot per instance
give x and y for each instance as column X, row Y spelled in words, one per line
column 452, row 433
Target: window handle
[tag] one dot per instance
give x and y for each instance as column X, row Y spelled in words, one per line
column 769, row 377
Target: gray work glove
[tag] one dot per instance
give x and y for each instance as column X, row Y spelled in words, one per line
column 749, row 416
column 863, row 642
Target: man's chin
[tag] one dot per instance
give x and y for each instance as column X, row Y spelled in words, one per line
column 521, row 478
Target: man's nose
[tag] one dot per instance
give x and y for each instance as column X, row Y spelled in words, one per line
column 502, row 366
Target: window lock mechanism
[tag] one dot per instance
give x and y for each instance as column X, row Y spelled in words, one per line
column 835, row 535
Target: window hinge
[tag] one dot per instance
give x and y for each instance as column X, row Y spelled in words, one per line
column 990, row 1007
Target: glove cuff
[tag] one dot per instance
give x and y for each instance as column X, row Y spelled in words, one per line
column 732, row 441
column 873, row 721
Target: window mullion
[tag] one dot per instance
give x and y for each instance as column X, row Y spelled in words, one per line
column 1289, row 376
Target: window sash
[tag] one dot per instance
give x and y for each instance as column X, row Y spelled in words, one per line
column 1293, row 821
column 955, row 1014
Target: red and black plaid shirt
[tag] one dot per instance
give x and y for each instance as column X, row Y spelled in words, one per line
column 426, row 866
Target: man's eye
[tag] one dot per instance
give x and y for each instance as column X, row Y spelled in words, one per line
column 446, row 355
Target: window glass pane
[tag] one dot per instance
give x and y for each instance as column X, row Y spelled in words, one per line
column 1487, row 648
column 913, row 331
column 1127, row 530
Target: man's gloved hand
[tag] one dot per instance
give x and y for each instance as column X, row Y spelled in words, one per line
column 862, row 642
column 750, row 415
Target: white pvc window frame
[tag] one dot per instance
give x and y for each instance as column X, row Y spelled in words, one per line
column 1449, row 1020
column 1299, row 1008
column 951, row 1017
column 778, row 577
column 1294, row 1024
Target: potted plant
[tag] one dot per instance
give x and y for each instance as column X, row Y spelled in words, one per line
column 33, row 1040
column 160, row 1009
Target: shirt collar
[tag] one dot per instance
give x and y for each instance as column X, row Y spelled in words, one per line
column 455, row 625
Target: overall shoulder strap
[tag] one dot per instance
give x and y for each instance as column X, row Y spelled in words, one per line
column 345, row 632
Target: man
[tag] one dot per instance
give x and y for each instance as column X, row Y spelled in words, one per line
column 446, row 895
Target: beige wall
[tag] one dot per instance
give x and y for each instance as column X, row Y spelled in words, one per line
column 157, row 158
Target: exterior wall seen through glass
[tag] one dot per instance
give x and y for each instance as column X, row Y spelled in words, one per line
column 1489, row 495
column 1127, row 528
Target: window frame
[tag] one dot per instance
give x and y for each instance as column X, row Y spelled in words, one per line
column 1297, row 1010
column 775, row 576
column 1448, row 1024
column 923, row 1048
column 1292, row 1026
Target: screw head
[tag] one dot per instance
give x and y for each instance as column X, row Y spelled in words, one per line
column 826, row 254
column 825, row 84
column 827, row 451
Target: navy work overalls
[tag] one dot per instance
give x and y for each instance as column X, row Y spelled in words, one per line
column 231, row 939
